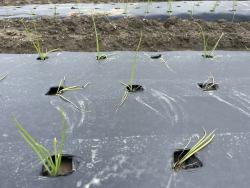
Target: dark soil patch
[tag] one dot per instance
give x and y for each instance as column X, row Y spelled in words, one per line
column 23, row 2
column 76, row 33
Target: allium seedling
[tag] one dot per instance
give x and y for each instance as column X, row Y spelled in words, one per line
column 69, row 88
column 206, row 52
column 99, row 56
column 215, row 4
column 43, row 154
column 126, row 6
column 36, row 42
column 201, row 143
column 147, row 6
column 209, row 84
column 132, row 75
column 58, row 91
column 55, row 12
column 169, row 7
column 130, row 87
column 234, row 5
column 191, row 11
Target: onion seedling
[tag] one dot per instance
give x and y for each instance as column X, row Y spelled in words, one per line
column 215, row 4
column 147, row 6
column 198, row 4
column 79, row 7
column 234, row 5
column 36, row 42
column 130, row 87
column 191, row 11
column 201, row 143
column 55, row 12
column 126, row 6
column 169, row 5
column 61, row 89
column 234, row 9
column 51, row 165
column 99, row 56
column 206, row 52
column 132, row 75
column 209, row 84
column 32, row 13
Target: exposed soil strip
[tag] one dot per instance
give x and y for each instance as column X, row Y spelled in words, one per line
column 76, row 33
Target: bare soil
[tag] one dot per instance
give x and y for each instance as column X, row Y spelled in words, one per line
column 76, row 33
column 23, row 2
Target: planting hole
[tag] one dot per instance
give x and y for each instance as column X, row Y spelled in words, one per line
column 192, row 162
column 42, row 59
column 134, row 88
column 101, row 57
column 68, row 165
column 207, row 56
column 210, row 86
column 156, row 56
column 54, row 90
